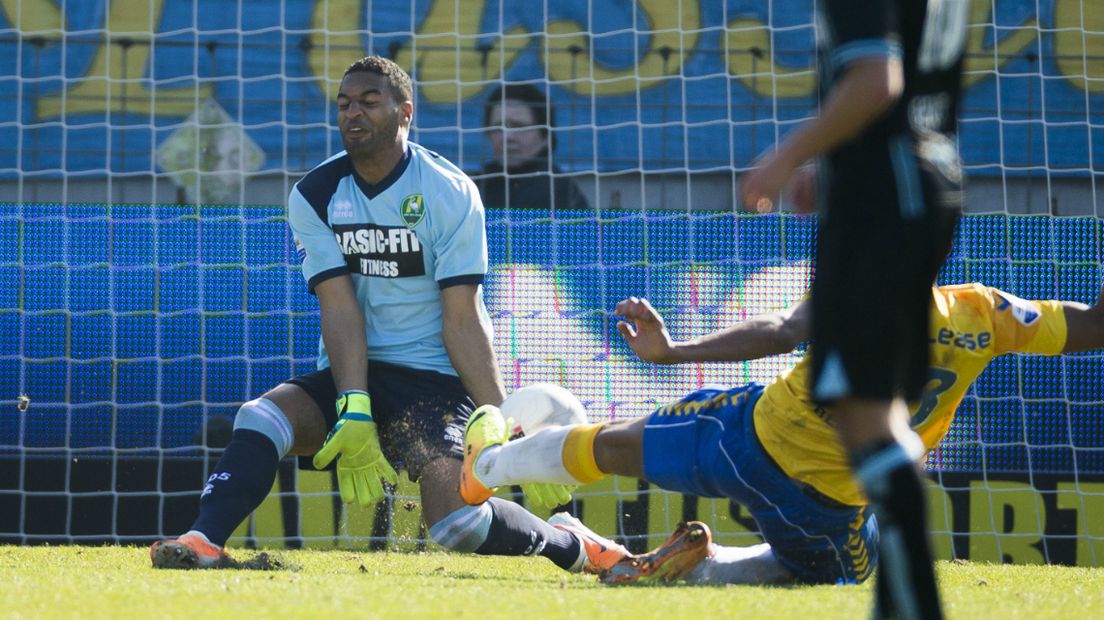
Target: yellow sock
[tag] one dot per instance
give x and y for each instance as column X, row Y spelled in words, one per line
column 578, row 453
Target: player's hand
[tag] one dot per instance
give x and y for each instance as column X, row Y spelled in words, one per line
column 802, row 190
column 762, row 186
column 644, row 330
column 354, row 442
column 547, row 495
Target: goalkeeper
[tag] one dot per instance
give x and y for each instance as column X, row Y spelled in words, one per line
column 768, row 448
column 392, row 242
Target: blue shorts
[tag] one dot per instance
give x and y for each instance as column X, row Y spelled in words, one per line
column 706, row 445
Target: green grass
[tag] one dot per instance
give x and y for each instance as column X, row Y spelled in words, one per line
column 117, row 582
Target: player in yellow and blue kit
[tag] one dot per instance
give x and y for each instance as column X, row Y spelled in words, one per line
column 771, row 449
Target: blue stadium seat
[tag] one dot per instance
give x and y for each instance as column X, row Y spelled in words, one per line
column 577, row 242
column 266, row 288
column 89, row 288
column 50, row 330
column 181, row 335
column 136, row 336
column 224, row 335
column 177, row 242
column 42, row 241
column 1029, row 238
column 623, row 240
column 1075, row 239
column 138, row 426
column 137, row 381
column 226, row 381
column 91, row 382
column 91, row 335
column 135, row 289
column 43, row 287
column 90, row 427
column 758, row 238
column 991, row 272
column 268, row 335
column 670, row 235
column 1085, row 379
column 1079, row 282
column 983, row 237
column 1033, row 280
column 799, row 235
column 182, row 380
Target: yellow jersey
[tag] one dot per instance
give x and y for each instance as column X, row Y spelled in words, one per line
column 970, row 325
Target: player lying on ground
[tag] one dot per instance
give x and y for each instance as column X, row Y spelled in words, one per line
column 769, row 449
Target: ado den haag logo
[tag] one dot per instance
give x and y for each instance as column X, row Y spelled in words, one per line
column 413, row 210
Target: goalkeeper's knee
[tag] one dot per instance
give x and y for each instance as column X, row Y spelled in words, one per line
column 464, row 529
column 263, row 416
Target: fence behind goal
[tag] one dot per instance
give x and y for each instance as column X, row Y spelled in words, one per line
column 135, row 322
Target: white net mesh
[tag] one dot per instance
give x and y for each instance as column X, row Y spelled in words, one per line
column 137, row 321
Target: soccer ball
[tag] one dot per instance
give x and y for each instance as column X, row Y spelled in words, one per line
column 541, row 405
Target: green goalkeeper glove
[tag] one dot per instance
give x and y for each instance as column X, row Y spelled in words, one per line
column 354, row 442
column 548, row 495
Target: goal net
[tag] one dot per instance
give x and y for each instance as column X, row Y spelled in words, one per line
column 150, row 285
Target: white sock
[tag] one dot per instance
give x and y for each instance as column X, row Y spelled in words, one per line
column 200, row 535
column 534, row 458
column 755, row 565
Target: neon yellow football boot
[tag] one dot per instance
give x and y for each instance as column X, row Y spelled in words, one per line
column 485, row 429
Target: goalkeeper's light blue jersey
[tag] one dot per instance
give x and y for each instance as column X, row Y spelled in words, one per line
column 419, row 230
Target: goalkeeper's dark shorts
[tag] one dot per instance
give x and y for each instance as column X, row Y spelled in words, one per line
column 880, row 245
column 706, row 445
column 421, row 414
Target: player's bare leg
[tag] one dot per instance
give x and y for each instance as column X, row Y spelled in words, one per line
column 619, row 448
column 886, row 453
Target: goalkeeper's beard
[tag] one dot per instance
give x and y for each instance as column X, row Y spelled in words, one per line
column 377, row 144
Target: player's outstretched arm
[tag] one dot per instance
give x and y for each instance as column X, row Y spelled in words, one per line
column 760, row 336
column 1084, row 325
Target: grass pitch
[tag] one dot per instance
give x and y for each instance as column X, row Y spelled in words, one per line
column 117, row 582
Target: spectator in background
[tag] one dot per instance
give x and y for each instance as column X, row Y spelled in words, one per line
column 519, row 119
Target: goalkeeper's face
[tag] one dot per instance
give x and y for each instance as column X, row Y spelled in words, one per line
column 371, row 121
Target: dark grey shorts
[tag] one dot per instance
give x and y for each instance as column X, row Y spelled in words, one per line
column 420, row 414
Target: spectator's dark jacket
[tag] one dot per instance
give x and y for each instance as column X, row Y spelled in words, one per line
column 529, row 187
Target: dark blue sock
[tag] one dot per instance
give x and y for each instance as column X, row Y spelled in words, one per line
column 237, row 485
column 516, row 531
column 906, row 584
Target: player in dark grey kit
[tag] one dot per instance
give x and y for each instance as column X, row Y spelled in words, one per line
column 888, row 188
column 392, row 242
